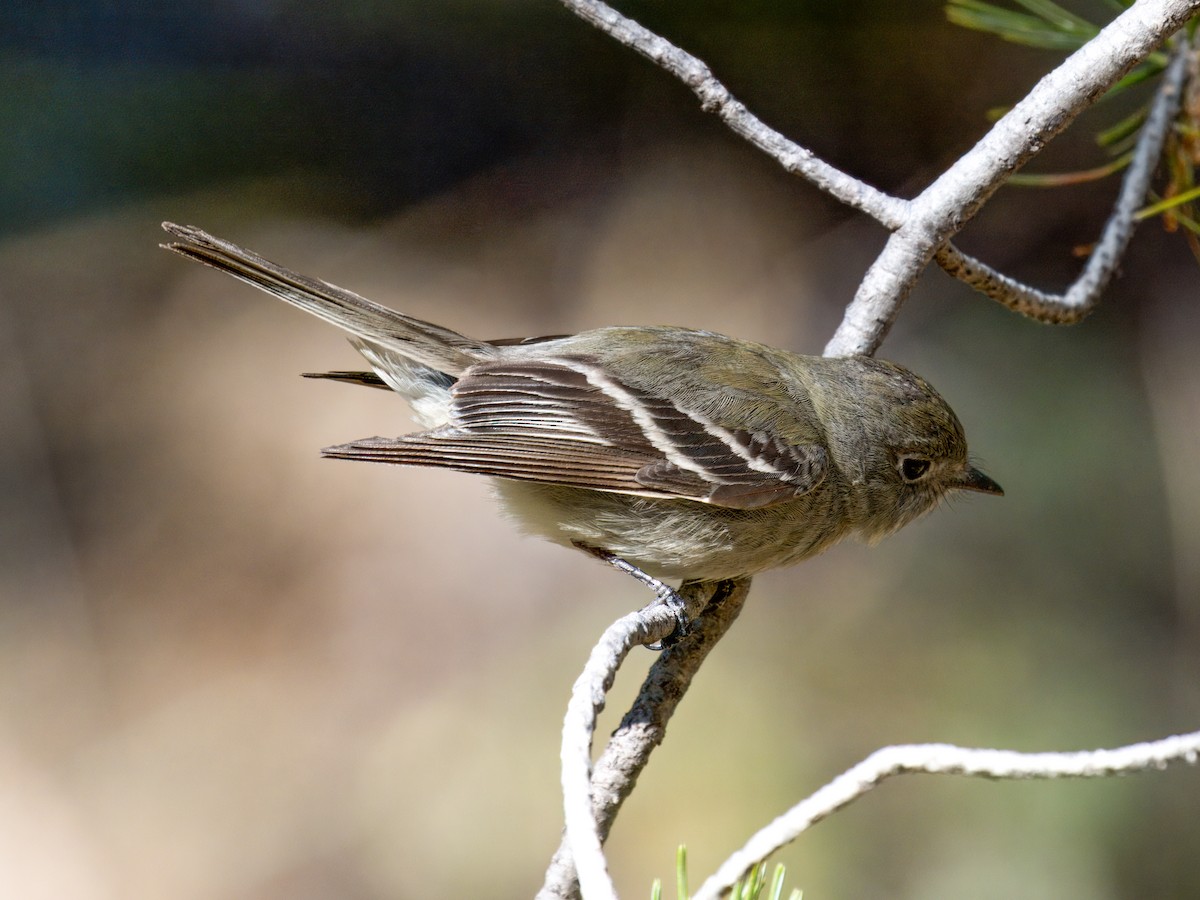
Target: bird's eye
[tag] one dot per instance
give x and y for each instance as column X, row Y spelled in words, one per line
column 914, row 468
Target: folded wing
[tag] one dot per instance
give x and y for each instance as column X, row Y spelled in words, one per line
column 569, row 422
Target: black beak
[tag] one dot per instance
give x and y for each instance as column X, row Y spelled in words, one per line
column 974, row 480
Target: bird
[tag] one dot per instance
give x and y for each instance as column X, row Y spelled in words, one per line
column 670, row 452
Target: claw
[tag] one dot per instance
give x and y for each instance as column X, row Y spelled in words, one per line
column 665, row 594
column 669, row 597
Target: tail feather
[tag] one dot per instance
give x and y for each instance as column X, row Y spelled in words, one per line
column 367, row 379
column 429, row 344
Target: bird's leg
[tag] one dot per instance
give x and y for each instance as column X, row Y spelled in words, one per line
column 666, row 594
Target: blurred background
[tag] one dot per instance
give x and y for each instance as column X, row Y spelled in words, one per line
column 230, row 669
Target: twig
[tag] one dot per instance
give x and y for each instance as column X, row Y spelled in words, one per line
column 645, row 724
column 952, row 200
column 1081, row 297
column 944, row 759
column 924, row 226
column 716, row 98
column 649, row 625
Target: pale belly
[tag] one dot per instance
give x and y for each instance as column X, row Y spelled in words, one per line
column 678, row 538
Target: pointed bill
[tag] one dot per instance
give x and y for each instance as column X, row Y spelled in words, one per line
column 974, row 480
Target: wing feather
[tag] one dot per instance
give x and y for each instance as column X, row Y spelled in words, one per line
column 567, row 422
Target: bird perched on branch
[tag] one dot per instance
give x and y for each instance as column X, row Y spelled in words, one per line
column 681, row 453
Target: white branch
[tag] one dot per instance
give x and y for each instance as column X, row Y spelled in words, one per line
column 924, row 226
column 649, row 625
column 1081, row 297
column 716, row 98
column 952, row 200
column 943, row 759
column 645, row 723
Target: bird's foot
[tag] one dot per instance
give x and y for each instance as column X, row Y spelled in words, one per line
column 663, row 592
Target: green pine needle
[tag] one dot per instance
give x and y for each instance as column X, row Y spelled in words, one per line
column 1048, row 26
column 754, row 887
column 1170, row 203
column 1120, row 132
column 777, row 883
column 1059, row 17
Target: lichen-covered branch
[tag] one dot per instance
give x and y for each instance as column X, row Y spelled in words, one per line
column 1081, row 297
column 944, row 759
column 942, row 209
column 922, row 230
column 716, row 98
column 922, row 227
column 645, row 724
column 582, row 835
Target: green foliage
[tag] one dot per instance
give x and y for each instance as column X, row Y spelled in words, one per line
column 1046, row 25
column 753, row 887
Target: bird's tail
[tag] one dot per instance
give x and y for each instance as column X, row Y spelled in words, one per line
column 431, row 345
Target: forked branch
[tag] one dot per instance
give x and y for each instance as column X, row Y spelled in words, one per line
column 924, row 226
column 1081, row 297
column 922, row 229
column 592, row 799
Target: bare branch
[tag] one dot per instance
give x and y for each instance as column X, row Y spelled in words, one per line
column 716, row 98
column 645, row 724
column 1081, row 297
column 949, row 203
column 922, row 229
column 649, row 625
column 952, row 200
column 944, row 759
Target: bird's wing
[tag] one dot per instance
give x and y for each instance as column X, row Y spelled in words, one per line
column 567, row 421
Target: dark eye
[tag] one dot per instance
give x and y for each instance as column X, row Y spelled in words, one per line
column 913, row 468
